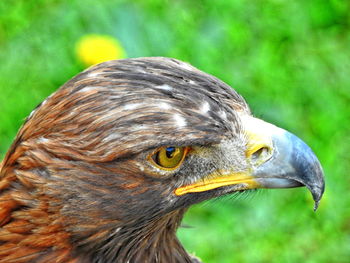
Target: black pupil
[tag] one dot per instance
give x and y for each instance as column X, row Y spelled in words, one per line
column 170, row 151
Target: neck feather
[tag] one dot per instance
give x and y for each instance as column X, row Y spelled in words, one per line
column 151, row 241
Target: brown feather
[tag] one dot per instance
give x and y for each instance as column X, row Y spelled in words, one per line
column 75, row 186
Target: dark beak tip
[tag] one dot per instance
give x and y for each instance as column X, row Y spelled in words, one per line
column 316, row 205
column 318, row 188
column 317, row 193
column 308, row 168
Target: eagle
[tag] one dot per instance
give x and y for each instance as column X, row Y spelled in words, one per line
column 104, row 169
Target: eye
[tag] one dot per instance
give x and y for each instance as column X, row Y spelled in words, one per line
column 169, row 158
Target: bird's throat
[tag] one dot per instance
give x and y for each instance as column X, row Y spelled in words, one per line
column 147, row 241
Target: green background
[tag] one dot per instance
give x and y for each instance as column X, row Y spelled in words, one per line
column 289, row 58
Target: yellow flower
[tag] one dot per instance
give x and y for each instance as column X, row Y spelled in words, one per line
column 93, row 49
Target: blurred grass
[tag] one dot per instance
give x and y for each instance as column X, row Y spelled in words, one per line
column 289, row 59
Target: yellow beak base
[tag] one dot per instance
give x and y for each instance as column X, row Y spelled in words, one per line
column 247, row 182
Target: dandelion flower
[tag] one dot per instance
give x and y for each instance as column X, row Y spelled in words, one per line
column 93, row 49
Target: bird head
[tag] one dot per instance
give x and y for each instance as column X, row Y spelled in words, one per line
column 123, row 148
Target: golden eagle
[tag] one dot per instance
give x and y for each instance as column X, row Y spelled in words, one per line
column 104, row 169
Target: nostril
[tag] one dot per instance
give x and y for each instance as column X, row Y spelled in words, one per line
column 260, row 153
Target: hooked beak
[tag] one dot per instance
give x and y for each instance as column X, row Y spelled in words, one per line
column 278, row 159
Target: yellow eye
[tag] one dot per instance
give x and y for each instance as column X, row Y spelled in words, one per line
column 169, row 158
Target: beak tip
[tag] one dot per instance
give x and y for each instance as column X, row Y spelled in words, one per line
column 318, row 187
column 308, row 168
column 316, row 205
column 317, row 193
